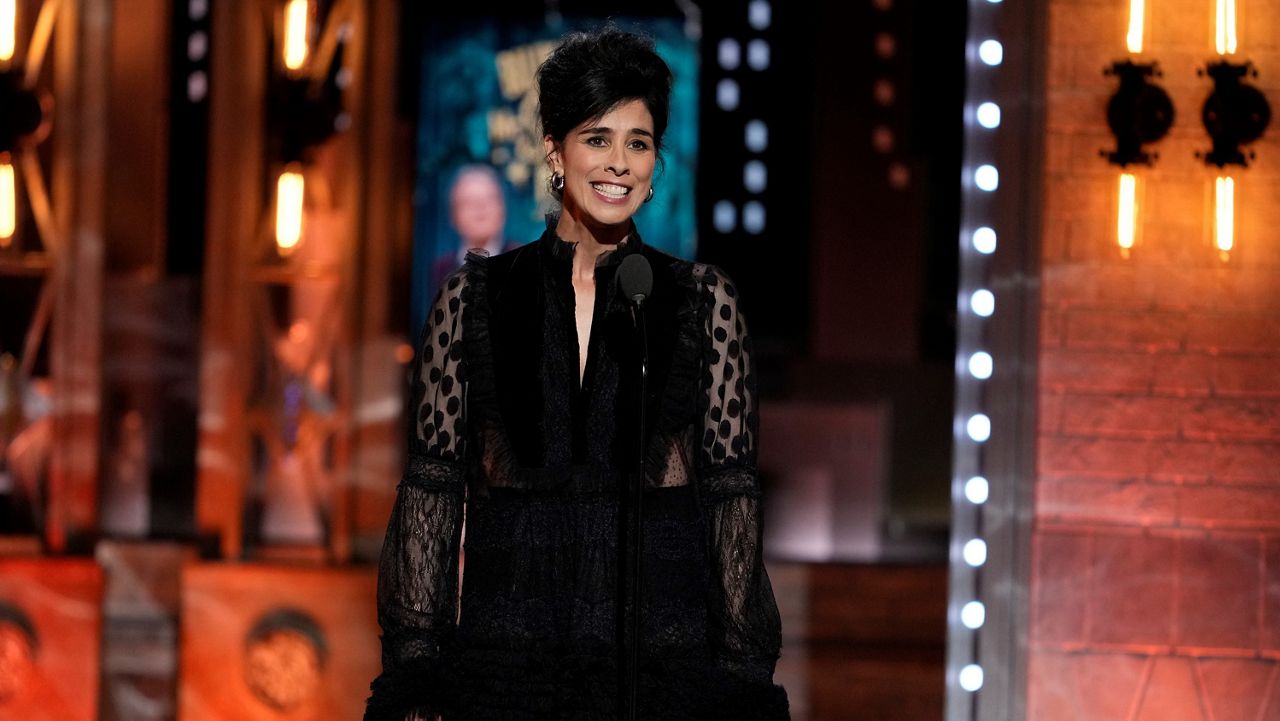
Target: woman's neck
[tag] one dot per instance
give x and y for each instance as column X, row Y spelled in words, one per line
column 592, row 241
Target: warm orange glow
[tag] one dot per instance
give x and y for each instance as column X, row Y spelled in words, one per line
column 1224, row 214
column 8, row 202
column 1224, row 35
column 1137, row 11
column 295, row 34
column 8, row 30
column 289, row 196
column 1127, row 213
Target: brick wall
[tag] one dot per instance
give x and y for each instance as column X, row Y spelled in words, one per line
column 1156, row 577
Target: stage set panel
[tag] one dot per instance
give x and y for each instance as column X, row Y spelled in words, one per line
column 50, row 639
column 276, row 643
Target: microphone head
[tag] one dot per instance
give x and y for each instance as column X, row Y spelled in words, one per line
column 635, row 278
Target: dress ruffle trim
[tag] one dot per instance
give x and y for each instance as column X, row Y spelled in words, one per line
column 482, row 403
column 681, row 400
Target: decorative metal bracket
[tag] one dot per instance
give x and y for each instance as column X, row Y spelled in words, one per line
column 1235, row 113
column 24, row 111
column 1140, row 112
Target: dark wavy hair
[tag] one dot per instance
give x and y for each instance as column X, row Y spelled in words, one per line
column 591, row 73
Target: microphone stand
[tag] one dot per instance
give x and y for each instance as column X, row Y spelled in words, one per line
column 635, row 529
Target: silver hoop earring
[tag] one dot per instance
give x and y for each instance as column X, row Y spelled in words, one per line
column 557, row 183
column 649, row 197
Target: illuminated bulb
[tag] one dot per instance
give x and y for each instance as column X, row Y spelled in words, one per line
column 758, row 54
column 979, row 427
column 988, row 115
column 986, row 177
column 729, row 53
column 983, row 302
column 971, row 677
column 1224, row 207
column 977, row 490
column 724, row 215
column 295, row 34
column 755, row 176
column 759, row 14
column 8, row 29
column 1127, row 213
column 8, row 202
column 757, row 136
column 980, row 365
column 1225, row 27
column 984, row 240
column 1134, row 37
column 289, row 197
column 973, row 614
column 991, row 52
column 975, row 552
column 727, row 94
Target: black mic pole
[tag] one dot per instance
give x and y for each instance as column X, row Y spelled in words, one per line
column 635, row 278
column 637, row 529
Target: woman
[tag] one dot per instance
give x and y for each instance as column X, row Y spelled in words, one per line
column 526, row 396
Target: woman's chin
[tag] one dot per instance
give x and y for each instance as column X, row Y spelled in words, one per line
column 605, row 216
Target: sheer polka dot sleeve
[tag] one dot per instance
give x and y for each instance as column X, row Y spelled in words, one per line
column 418, row 572
column 746, row 624
column 437, row 379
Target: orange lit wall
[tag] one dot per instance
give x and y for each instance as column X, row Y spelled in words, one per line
column 1156, row 576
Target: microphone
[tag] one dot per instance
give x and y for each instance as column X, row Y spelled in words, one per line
column 635, row 282
column 635, row 278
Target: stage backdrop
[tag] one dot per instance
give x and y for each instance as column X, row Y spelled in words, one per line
column 478, row 105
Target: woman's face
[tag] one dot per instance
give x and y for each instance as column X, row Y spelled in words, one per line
column 607, row 165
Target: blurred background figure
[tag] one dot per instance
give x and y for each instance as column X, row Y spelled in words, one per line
column 478, row 211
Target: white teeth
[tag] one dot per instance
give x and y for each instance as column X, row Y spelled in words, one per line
column 613, row 191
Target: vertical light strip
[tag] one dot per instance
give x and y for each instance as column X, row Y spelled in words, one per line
column 8, row 201
column 995, row 389
column 8, row 31
column 1127, row 213
column 1224, row 205
column 289, row 201
column 295, row 34
column 1225, row 27
column 1133, row 38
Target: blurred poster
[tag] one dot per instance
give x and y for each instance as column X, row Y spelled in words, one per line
column 481, row 174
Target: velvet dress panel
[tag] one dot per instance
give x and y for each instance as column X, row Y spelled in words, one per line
column 506, row 434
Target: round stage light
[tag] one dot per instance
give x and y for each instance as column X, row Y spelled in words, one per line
column 984, row 240
column 724, row 216
column 755, row 176
column 981, row 365
column 983, row 302
column 979, row 427
column 977, row 490
column 975, row 552
column 991, row 52
column 973, row 614
column 986, row 177
column 757, row 136
column 988, row 115
column 753, row 217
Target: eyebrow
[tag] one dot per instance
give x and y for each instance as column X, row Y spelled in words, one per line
column 600, row 129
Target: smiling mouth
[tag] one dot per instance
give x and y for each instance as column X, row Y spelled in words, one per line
column 609, row 190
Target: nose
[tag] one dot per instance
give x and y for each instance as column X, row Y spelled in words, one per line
column 618, row 162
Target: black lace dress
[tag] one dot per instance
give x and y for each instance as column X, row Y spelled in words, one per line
column 507, row 437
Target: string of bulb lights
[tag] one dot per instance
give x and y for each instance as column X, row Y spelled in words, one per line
column 975, row 363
